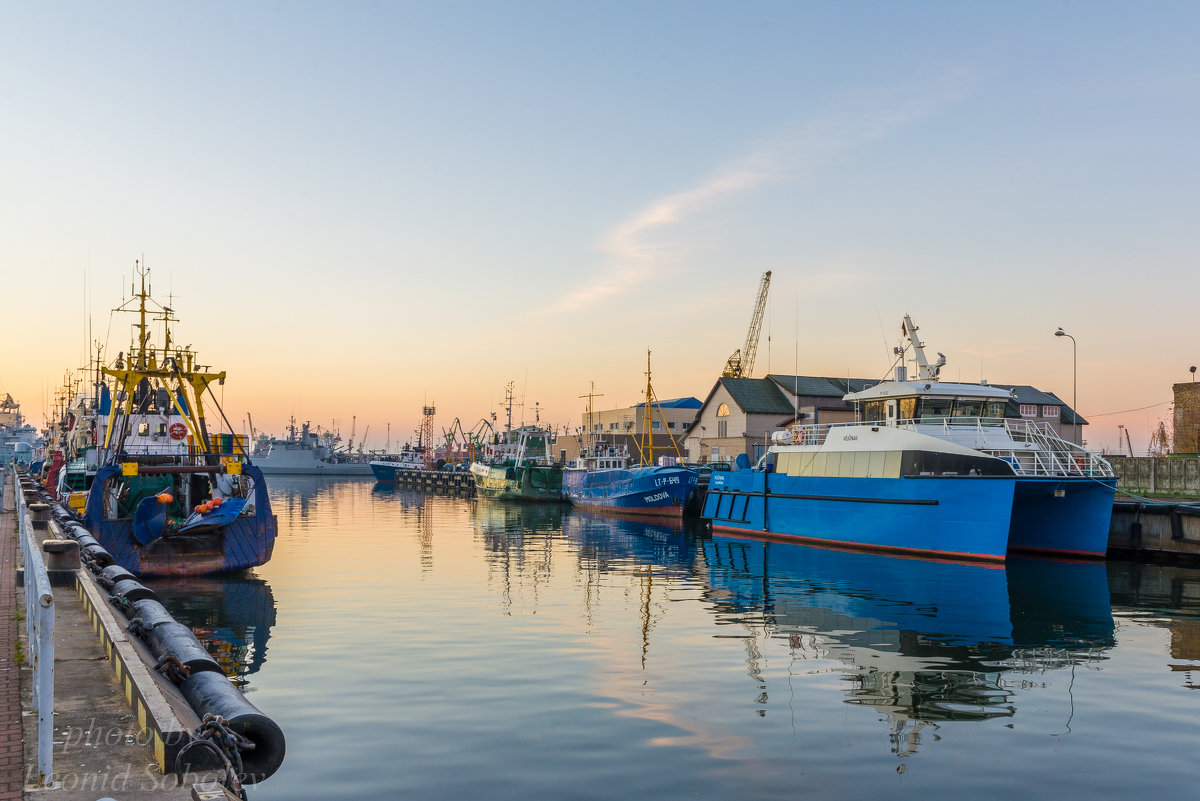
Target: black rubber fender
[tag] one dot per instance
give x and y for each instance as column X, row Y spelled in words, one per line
column 133, row 590
column 115, row 573
column 85, row 540
column 176, row 639
column 213, row 692
column 149, row 611
column 98, row 554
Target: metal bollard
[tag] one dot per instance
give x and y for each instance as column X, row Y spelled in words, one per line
column 39, row 515
column 61, row 554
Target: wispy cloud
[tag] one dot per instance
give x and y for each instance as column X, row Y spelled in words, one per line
column 640, row 249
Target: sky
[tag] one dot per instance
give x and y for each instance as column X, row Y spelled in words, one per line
column 357, row 209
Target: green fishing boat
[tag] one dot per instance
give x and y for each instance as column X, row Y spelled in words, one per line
column 518, row 466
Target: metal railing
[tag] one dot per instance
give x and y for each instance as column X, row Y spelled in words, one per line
column 1031, row 447
column 39, row 626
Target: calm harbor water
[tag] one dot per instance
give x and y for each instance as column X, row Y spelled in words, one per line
column 439, row 648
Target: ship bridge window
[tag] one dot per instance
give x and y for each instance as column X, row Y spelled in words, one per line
column 967, row 407
column 143, row 429
column 860, row 464
column 873, row 411
column 934, row 410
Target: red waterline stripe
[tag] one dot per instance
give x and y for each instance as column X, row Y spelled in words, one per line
column 890, row 550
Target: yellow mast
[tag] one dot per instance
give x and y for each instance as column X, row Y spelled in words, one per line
column 646, row 445
column 645, row 442
column 179, row 368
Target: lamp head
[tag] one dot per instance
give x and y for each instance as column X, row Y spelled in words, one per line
column 1060, row 332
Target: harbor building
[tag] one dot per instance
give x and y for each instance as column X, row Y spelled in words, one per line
column 1186, row 421
column 623, row 427
column 739, row 414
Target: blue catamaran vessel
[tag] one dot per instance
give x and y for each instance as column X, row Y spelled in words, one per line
column 929, row 467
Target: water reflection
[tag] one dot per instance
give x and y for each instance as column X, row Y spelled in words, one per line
column 231, row 615
column 513, row 651
column 1163, row 597
column 922, row 641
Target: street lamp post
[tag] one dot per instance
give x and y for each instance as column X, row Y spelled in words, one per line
column 1074, row 386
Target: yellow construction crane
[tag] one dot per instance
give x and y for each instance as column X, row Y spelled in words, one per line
column 741, row 363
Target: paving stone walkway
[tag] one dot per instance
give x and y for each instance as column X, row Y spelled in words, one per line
column 12, row 762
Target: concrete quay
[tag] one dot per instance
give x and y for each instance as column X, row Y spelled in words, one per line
column 99, row 748
column 116, row 729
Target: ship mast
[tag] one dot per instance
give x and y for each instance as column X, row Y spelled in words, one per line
column 646, row 444
column 925, row 371
column 143, row 364
column 590, row 424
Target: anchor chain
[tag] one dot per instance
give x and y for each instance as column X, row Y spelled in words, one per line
column 215, row 734
column 170, row 666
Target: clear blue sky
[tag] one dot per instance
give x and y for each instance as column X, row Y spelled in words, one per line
column 360, row 207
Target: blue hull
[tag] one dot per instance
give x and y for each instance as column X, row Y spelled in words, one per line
column 643, row 491
column 929, row 609
column 1073, row 523
column 383, row 473
column 955, row 517
column 246, row 541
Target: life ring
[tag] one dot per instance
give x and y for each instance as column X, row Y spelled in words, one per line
column 798, row 438
column 178, row 430
column 1079, row 464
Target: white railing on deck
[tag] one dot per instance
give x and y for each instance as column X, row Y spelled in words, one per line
column 1031, row 447
column 39, row 626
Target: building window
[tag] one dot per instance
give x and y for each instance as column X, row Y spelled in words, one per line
column 723, row 410
column 1050, row 411
column 1028, row 410
column 655, row 426
column 722, row 428
column 670, row 424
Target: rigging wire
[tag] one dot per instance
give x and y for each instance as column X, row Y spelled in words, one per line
column 1127, row 411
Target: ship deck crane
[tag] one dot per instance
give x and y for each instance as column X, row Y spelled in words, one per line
column 741, row 363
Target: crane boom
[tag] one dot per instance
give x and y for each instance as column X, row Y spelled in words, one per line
column 741, row 363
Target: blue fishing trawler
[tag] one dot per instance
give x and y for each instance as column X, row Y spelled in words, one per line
column 385, row 468
column 605, row 479
column 929, row 467
column 167, row 496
